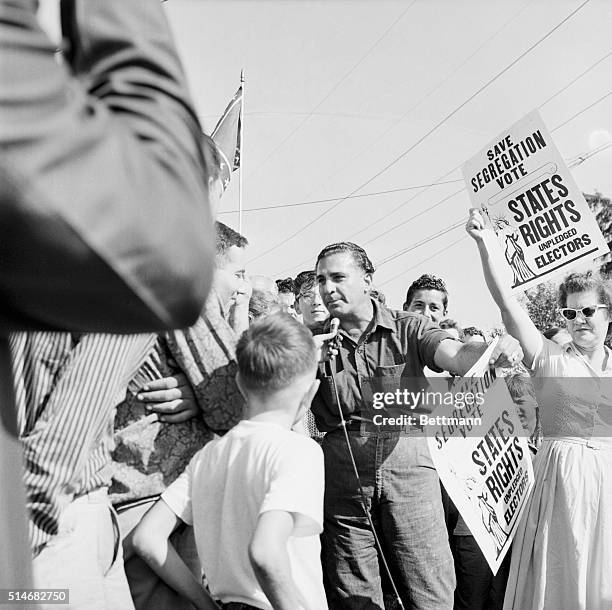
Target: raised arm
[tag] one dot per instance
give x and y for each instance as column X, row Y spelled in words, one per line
column 515, row 318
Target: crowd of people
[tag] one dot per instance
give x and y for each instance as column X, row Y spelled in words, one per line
column 220, row 452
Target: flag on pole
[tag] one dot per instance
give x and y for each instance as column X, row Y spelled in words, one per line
column 227, row 136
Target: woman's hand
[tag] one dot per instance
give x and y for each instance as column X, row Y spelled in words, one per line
column 475, row 225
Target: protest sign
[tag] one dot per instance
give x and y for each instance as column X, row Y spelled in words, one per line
column 529, row 198
column 486, row 465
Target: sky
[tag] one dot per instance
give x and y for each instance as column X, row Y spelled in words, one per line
column 355, row 97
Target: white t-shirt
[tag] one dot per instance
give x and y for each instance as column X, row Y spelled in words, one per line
column 254, row 468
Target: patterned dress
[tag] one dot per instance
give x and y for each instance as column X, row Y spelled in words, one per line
column 149, row 454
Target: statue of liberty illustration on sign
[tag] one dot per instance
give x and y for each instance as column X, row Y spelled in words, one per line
column 514, row 253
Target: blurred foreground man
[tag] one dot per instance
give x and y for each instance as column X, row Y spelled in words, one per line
column 381, row 350
column 104, row 220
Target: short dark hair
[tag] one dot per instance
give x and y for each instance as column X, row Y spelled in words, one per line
column 520, row 385
column 581, row 282
column 226, row 238
column 427, row 282
column 360, row 258
column 274, row 351
column 285, row 285
column 472, row 331
column 304, row 280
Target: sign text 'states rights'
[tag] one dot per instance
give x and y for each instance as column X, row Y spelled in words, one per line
column 528, row 196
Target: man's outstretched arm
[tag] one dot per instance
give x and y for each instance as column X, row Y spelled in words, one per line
column 458, row 358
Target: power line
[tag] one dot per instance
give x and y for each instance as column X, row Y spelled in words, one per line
column 331, row 199
column 439, row 182
column 601, row 99
column 430, row 184
column 401, row 118
column 445, row 199
column 473, row 96
column 580, row 159
column 577, row 161
column 432, row 130
column 333, row 89
column 345, row 115
column 574, row 80
column 404, row 271
column 387, row 192
column 422, row 242
column 556, row 94
column 391, row 127
column 380, row 117
column 397, row 226
column 421, row 100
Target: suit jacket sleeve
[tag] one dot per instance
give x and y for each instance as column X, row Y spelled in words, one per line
column 104, row 216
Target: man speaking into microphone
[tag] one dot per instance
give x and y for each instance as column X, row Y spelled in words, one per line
column 401, row 488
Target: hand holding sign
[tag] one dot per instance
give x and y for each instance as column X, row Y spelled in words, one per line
column 482, row 458
column 527, row 195
column 506, row 353
column 475, row 226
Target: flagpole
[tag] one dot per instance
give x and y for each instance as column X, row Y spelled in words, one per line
column 241, row 115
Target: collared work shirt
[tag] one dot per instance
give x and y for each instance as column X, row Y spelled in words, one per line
column 390, row 354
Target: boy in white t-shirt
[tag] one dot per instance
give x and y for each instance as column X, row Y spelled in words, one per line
column 255, row 496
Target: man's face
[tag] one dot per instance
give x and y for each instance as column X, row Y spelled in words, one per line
column 526, row 407
column 230, row 275
column 287, row 302
column 344, row 287
column 429, row 303
column 310, row 304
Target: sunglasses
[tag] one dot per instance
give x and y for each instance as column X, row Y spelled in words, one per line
column 587, row 312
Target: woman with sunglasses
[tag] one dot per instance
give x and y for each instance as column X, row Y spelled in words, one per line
column 562, row 552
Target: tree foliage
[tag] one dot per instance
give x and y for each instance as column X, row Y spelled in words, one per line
column 602, row 208
column 541, row 305
column 541, row 302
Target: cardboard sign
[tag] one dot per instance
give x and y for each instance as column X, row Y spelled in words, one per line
column 529, row 198
column 485, row 466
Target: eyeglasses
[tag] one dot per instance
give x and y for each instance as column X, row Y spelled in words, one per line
column 588, row 312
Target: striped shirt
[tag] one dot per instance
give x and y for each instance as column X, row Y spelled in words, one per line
column 66, row 389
